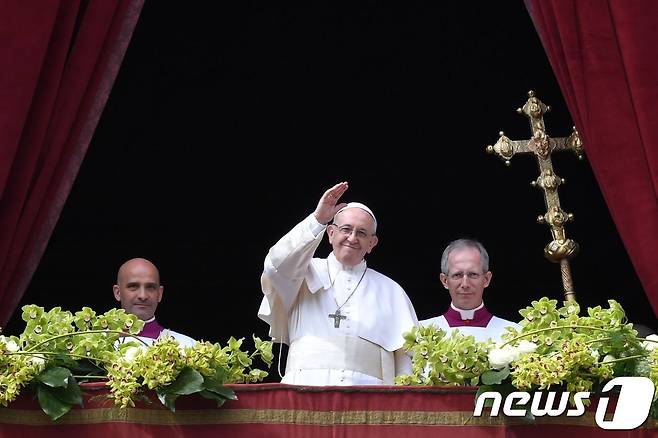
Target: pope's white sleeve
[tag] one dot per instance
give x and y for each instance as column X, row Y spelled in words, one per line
column 287, row 262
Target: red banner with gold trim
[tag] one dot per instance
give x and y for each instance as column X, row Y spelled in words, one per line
column 277, row 410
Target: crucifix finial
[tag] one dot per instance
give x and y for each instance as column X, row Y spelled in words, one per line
column 560, row 249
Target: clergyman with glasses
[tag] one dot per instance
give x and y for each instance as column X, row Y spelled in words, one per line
column 465, row 273
column 343, row 321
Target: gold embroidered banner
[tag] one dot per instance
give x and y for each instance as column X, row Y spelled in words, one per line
column 285, row 410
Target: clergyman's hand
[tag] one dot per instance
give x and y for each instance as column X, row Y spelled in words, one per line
column 328, row 205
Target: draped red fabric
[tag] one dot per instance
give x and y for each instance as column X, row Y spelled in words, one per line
column 59, row 60
column 605, row 57
column 287, row 411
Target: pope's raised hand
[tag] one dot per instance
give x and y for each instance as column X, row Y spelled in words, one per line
column 328, row 205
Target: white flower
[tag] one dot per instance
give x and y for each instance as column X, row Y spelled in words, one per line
column 501, row 357
column 10, row 344
column 131, row 352
column 650, row 346
column 609, row 358
column 38, row 360
column 526, row 347
column 595, row 354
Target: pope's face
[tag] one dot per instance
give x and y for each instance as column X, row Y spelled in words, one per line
column 465, row 280
column 352, row 236
column 139, row 289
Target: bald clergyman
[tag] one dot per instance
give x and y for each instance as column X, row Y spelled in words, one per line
column 139, row 291
column 342, row 320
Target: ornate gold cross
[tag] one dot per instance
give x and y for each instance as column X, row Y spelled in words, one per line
column 560, row 249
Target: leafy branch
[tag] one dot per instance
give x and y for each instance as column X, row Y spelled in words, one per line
column 59, row 348
column 555, row 347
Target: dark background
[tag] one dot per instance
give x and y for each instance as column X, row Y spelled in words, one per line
column 228, row 121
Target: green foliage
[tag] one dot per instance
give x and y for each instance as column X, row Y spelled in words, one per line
column 555, row 347
column 172, row 370
column 443, row 360
column 58, row 349
column 494, row 377
column 57, row 391
column 575, row 352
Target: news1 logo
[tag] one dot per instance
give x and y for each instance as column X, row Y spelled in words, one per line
column 633, row 404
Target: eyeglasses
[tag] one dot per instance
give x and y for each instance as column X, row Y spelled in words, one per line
column 346, row 230
column 457, row 276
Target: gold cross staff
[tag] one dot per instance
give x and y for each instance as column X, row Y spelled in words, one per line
column 560, row 249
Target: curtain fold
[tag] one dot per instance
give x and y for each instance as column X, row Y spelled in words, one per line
column 605, row 57
column 60, row 59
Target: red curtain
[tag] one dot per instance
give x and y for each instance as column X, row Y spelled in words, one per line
column 59, row 60
column 605, row 56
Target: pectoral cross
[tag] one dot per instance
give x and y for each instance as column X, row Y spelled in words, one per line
column 560, row 249
column 337, row 317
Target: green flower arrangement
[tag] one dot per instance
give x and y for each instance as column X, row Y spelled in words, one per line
column 555, row 348
column 58, row 350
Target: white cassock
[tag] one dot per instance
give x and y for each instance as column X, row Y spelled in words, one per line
column 183, row 340
column 363, row 347
column 493, row 330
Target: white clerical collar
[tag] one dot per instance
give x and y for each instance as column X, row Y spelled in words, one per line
column 335, row 267
column 467, row 314
column 150, row 320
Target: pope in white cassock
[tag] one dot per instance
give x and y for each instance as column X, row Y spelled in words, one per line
column 465, row 274
column 342, row 320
